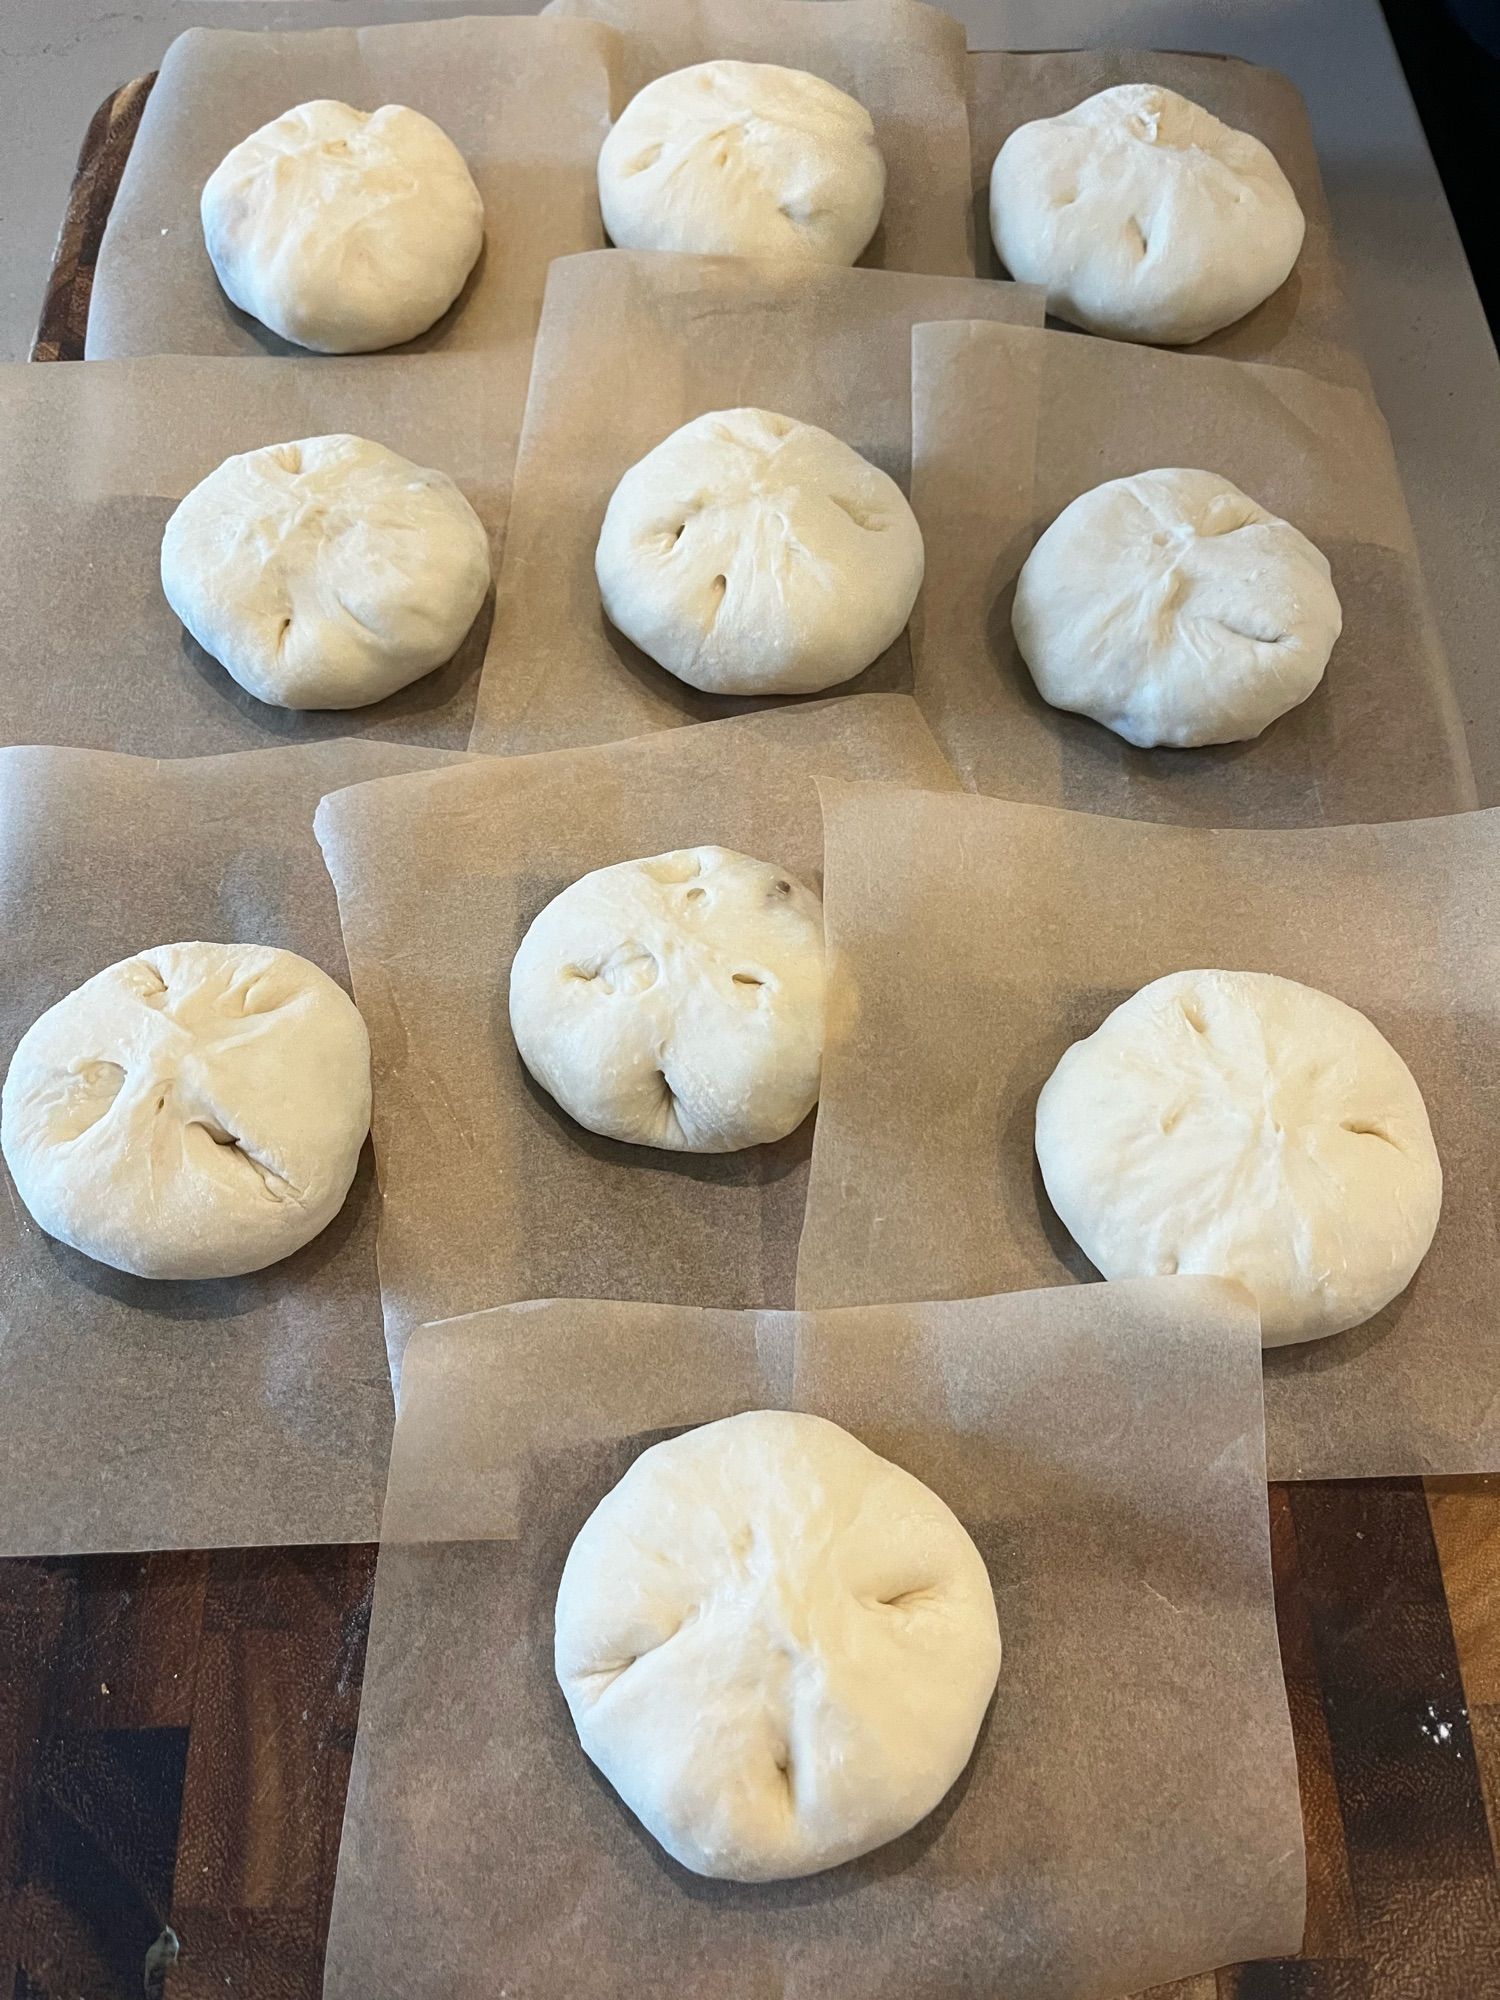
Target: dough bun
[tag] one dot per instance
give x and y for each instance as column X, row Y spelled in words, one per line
column 343, row 230
column 1175, row 610
column 327, row 572
column 739, row 159
column 1238, row 1125
column 676, row 1001
column 751, row 554
column 196, row 1111
column 1144, row 216
column 776, row 1646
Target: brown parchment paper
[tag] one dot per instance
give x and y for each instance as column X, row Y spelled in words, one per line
column 137, row 1414
column 903, row 62
column 974, row 941
column 526, row 102
column 489, row 1190
column 633, row 345
column 1011, row 424
column 1130, row 1814
column 1307, row 323
column 93, row 654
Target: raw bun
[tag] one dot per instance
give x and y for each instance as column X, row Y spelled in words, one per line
column 326, row 573
column 196, row 1111
column 738, row 159
column 751, row 554
column 1176, row 611
column 1144, row 216
column 777, row 1647
column 1237, row 1125
column 676, row 1001
column 344, row 230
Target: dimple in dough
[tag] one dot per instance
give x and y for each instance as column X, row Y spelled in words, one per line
column 752, row 554
column 1175, row 610
column 344, row 230
column 1144, row 216
column 196, row 1111
column 327, row 572
column 676, row 1001
column 1239, row 1125
column 738, row 159
column 777, row 1646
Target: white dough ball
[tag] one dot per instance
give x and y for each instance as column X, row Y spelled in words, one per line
column 196, row 1111
column 326, row 573
column 676, row 1001
column 1237, row 1125
column 776, row 1646
column 751, row 554
column 344, row 230
column 739, row 159
column 1144, row 216
column 1176, row 611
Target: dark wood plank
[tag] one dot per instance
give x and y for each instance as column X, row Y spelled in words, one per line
column 175, row 1734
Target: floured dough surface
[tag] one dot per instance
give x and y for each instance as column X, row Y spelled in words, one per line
column 777, row 1646
column 1175, row 610
column 1144, row 216
column 196, row 1111
column 327, row 572
column 752, row 554
column 676, row 1001
column 739, row 159
column 344, row 230
column 1238, row 1125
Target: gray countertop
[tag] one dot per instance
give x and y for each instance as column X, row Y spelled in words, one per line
column 1424, row 335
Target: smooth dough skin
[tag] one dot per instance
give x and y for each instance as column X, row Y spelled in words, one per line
column 776, row 1646
column 326, row 573
column 676, row 1001
column 752, row 554
column 344, row 230
column 1176, row 611
column 1237, row 1125
column 196, row 1111
column 738, row 159
column 1144, row 216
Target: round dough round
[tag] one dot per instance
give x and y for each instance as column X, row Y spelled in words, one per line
column 1176, row 611
column 739, row 159
column 1144, row 216
column 1237, row 1125
column 196, row 1111
column 776, row 1646
column 326, row 573
column 344, row 230
column 752, row 554
column 676, row 1001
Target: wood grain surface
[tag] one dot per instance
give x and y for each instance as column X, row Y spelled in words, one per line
column 175, row 1734
column 175, row 1730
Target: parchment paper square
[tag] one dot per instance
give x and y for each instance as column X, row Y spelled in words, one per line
column 1130, row 1814
column 974, row 941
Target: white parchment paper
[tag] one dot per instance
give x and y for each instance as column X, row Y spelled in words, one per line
column 93, row 654
column 1011, row 424
column 490, row 1190
column 631, row 347
column 973, row 941
column 1130, row 1814
column 140, row 1414
column 526, row 102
